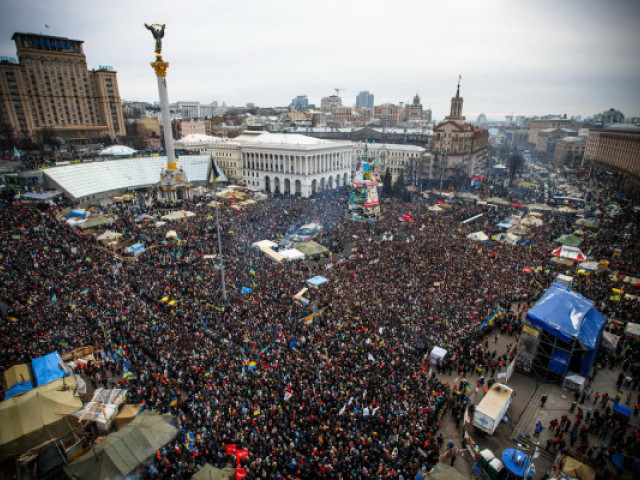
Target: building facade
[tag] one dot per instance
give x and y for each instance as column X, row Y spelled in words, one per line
column 189, row 127
column 459, row 150
column 364, row 99
column 616, row 149
column 301, row 102
column 569, row 152
column 413, row 112
column 388, row 114
column 49, row 91
column 224, row 151
column 329, row 103
column 535, row 126
column 410, row 160
column 295, row 164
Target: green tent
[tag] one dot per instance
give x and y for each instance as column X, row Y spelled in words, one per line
column 96, row 222
column 122, row 452
column 571, row 240
column 310, row 249
column 209, row 472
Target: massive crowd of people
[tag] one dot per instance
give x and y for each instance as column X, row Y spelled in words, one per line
column 345, row 393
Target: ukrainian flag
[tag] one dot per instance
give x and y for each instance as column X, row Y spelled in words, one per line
column 129, row 376
column 173, row 402
column 84, row 291
column 199, row 278
column 63, row 343
column 215, row 173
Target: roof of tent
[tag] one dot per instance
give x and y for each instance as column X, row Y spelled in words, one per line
column 17, row 374
column 209, row 472
column 37, row 415
column 567, row 315
column 123, row 451
column 571, row 240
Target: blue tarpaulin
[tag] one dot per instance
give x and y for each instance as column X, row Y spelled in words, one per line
column 317, row 280
column 135, row 248
column 518, row 463
column 48, row 368
column 18, row 389
column 568, row 315
column 77, row 213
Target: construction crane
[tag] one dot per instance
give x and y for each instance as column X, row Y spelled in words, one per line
column 338, row 90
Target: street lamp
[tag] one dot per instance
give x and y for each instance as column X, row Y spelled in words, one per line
column 444, row 159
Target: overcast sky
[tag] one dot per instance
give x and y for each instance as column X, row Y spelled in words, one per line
column 529, row 57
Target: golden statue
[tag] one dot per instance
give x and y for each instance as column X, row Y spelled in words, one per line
column 158, row 32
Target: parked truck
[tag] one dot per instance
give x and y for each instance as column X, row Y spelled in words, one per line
column 492, row 408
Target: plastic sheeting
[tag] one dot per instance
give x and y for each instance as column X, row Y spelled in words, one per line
column 568, row 315
column 18, row 389
column 48, row 368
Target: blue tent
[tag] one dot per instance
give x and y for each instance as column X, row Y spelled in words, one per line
column 317, row 280
column 77, row 213
column 135, row 248
column 48, row 368
column 571, row 318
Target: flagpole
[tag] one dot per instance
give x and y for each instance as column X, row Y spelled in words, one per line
column 224, row 283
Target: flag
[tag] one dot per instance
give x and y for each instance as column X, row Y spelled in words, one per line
column 407, row 217
column 252, row 272
column 215, row 173
column 252, row 366
column 16, row 153
column 256, row 411
column 63, row 343
column 128, row 376
column 199, row 278
column 240, row 454
column 84, row 291
column 241, row 473
column 164, row 299
column 54, row 297
column 12, row 319
column 230, row 449
column 173, row 402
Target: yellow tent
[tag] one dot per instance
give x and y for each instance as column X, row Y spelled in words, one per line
column 16, row 374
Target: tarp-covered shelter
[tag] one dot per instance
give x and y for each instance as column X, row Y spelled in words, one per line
column 479, row 236
column 632, row 329
column 310, row 248
column 178, row 215
column 209, row 472
column 569, row 333
column 571, row 240
column 103, row 406
column 123, row 451
column 436, row 357
column 575, row 469
column 48, row 368
column 317, row 280
column 97, row 222
column 571, row 253
column 108, row 236
column 36, row 416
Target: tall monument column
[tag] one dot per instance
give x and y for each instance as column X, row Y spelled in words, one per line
column 174, row 184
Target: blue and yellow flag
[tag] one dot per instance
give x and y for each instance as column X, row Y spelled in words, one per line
column 215, row 173
column 173, row 402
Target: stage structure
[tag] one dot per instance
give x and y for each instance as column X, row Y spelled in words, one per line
column 363, row 200
column 562, row 335
column 174, row 184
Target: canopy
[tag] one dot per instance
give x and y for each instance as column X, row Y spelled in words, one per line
column 479, row 236
column 37, row 415
column 209, row 472
column 48, row 368
column 317, row 280
column 589, row 224
column 437, row 355
column 80, row 213
column 576, row 469
column 292, row 254
column 571, row 240
column 16, row 374
column 504, row 225
column 178, row 215
column 171, row 234
column 572, row 253
column 568, row 315
column 143, row 218
column 97, row 222
column 103, row 406
column 532, row 221
column 108, row 236
column 632, row 329
column 311, row 248
column 498, row 201
column 117, row 151
column 591, row 266
column 135, row 248
column 540, row 207
column 123, row 451
column 434, row 208
column 517, row 463
column 518, row 230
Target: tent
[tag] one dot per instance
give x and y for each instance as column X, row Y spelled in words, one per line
column 479, row 236
column 576, row 469
column 571, row 253
column 571, row 240
column 632, row 329
column 292, row 254
column 518, row 463
column 435, row 208
column 317, row 280
column 518, row 230
column 539, row 207
column 120, row 453
column 209, row 472
column 178, row 215
column 310, row 248
column 570, row 331
column 498, row 201
column 103, row 406
column 108, row 236
column 117, row 151
column 135, row 248
column 37, row 415
column 144, row 218
column 532, row 221
column 437, row 355
column 48, row 368
column 127, row 414
column 588, row 224
column 18, row 389
column 80, row 213
column 97, row 222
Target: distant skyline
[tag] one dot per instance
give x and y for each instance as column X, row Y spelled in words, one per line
column 526, row 58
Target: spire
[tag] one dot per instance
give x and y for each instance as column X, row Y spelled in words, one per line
column 458, row 91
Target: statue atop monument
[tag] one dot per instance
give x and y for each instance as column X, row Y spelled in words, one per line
column 158, row 32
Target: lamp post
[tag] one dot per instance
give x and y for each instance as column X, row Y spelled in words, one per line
column 444, row 160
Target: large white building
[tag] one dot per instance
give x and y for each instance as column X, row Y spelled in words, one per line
column 278, row 163
column 294, row 164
